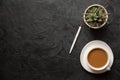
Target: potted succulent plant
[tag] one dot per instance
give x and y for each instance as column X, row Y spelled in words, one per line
column 95, row 16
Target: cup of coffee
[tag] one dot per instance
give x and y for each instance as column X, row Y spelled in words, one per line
column 98, row 59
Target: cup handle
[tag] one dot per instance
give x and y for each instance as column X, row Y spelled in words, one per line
column 108, row 68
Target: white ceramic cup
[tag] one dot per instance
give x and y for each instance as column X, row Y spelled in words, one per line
column 105, row 67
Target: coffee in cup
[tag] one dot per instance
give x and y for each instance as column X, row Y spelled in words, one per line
column 98, row 59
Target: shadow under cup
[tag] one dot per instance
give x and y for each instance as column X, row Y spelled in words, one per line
column 98, row 59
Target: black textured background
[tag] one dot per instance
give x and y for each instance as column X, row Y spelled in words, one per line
column 35, row 37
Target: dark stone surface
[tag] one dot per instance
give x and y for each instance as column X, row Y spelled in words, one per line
column 35, row 37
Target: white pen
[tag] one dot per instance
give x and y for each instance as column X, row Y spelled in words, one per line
column 74, row 41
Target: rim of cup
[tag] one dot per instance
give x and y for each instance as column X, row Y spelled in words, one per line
column 103, row 67
column 89, row 8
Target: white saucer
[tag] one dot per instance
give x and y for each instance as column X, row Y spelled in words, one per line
column 88, row 47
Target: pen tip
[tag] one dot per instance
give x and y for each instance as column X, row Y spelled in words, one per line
column 70, row 52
